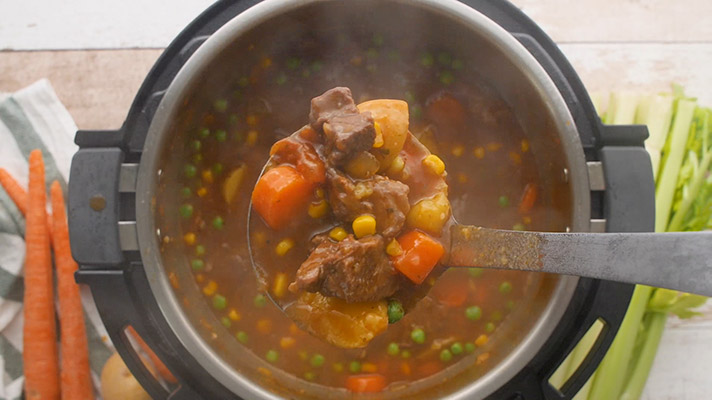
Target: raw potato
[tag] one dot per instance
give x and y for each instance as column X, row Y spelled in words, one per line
column 430, row 214
column 346, row 325
column 233, row 183
column 117, row 383
column 392, row 116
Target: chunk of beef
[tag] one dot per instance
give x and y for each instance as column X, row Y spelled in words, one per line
column 346, row 131
column 384, row 198
column 352, row 270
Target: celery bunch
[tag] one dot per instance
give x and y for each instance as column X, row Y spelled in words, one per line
column 680, row 147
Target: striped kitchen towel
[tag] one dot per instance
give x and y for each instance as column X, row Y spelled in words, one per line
column 33, row 118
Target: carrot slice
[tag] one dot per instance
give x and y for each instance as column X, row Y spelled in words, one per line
column 280, row 194
column 528, row 198
column 302, row 156
column 366, row 383
column 13, row 188
column 41, row 366
column 75, row 374
column 420, row 255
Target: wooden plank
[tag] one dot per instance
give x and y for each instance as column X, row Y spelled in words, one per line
column 664, row 21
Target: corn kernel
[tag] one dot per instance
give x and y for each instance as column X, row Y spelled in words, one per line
column 525, row 145
column 369, row 367
column 264, row 326
column 208, row 176
column 189, row 238
column 482, row 358
column 515, row 157
column 318, row 209
column 251, row 137
column 481, row 340
column 394, row 248
column 434, row 164
column 234, row 315
column 527, row 220
column 251, row 120
column 260, row 238
column 266, row 62
column 396, row 166
column 494, row 146
column 279, row 289
column 294, row 329
column 264, row 371
column 458, row 150
column 479, row 152
column 200, row 278
column 378, row 141
column 174, row 280
column 405, row 368
column 338, row 234
column 462, row 178
column 364, row 225
column 202, row 192
column 287, row 342
column 210, row 288
column 284, row 246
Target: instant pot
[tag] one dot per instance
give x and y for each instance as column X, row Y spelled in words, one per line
column 114, row 177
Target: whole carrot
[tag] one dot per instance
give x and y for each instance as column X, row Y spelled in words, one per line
column 75, row 374
column 13, row 188
column 39, row 352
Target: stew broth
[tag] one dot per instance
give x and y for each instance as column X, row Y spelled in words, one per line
column 223, row 138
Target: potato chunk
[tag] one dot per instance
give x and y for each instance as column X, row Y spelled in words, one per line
column 430, row 215
column 392, row 118
column 346, row 325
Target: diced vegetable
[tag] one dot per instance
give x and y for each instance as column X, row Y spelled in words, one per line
column 364, row 225
column 434, row 164
column 528, row 198
column 363, row 165
column 279, row 288
column 233, row 183
column 338, row 234
column 284, row 246
column 393, row 349
column 430, row 214
column 473, row 313
column 281, row 193
column 302, row 156
column 395, row 311
column 318, row 209
column 418, row 335
column 371, row 383
column 392, row 118
column 446, row 111
column 420, row 255
column 445, row 355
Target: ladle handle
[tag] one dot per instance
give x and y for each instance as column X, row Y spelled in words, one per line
column 680, row 261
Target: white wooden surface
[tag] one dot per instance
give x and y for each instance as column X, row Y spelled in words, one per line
column 638, row 45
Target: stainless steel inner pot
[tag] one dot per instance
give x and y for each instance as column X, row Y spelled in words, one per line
column 502, row 60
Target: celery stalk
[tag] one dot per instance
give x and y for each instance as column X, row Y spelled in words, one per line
column 621, row 108
column 672, row 161
column 654, row 326
column 655, row 112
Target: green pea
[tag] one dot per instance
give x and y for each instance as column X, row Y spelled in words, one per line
column 199, row 250
column 310, row 376
column 293, row 63
column 272, row 356
column 196, row 145
column 186, row 192
column 444, row 59
column 281, row 79
column 218, row 168
column 377, row 39
column 219, row 302
column 503, row 201
column 427, row 60
column 418, row 335
column 395, row 311
column 226, row 322
column 518, row 227
column 242, row 337
column 317, row 360
column 220, row 135
column 316, row 66
column 469, row 347
column 244, row 81
column 473, row 313
column 372, row 53
column 457, row 64
column 445, row 355
column 186, row 210
column 505, row 287
column 204, row 132
column 416, row 112
column 393, row 349
column 405, row 354
column 189, row 170
column 475, row 272
column 456, row 348
column 489, row 327
column 447, row 78
column 197, row 264
column 355, row 367
column 260, row 301
column 220, row 105
column 218, row 222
